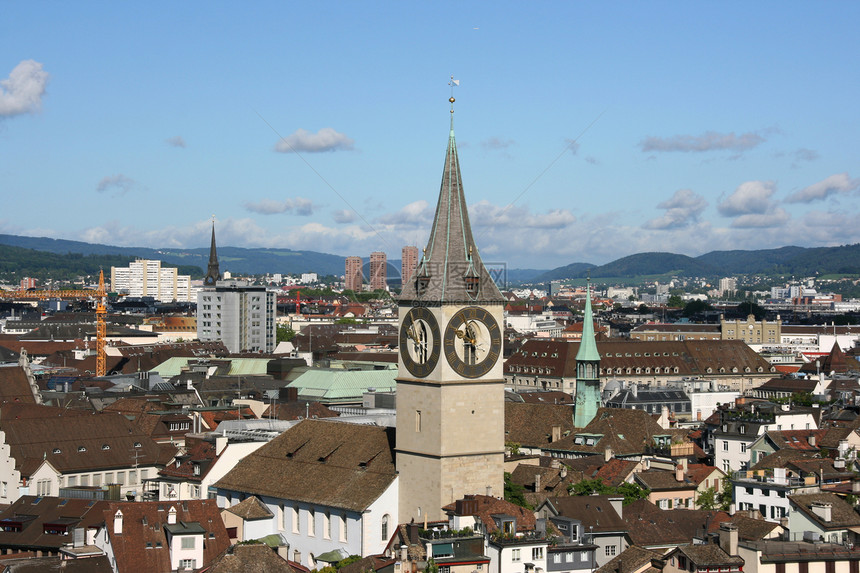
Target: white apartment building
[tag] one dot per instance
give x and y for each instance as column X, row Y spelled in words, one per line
column 146, row 277
column 239, row 315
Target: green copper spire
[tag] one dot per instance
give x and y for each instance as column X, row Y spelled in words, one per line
column 587, row 345
column 587, row 399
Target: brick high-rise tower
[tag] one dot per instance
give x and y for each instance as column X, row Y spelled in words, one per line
column 378, row 270
column 352, row 274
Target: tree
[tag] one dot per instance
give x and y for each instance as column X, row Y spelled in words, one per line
column 707, row 499
column 747, row 308
column 675, row 301
column 514, row 493
column 284, row 333
column 695, row 307
column 727, row 492
column 630, row 491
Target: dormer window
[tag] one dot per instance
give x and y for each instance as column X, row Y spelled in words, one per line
column 82, row 448
column 422, row 283
column 105, row 446
column 58, row 451
column 472, row 284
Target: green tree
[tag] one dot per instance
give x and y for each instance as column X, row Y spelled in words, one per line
column 675, row 301
column 707, row 499
column 727, row 492
column 630, row 491
column 284, row 333
column 750, row 308
column 514, row 493
column 695, row 307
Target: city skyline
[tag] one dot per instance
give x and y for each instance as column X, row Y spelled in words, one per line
column 586, row 132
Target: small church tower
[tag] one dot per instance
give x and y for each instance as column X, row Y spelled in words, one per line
column 450, row 384
column 587, row 370
column 213, row 273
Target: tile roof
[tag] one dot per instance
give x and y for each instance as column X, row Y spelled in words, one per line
column 486, row 506
column 626, row 431
column 250, row 508
column 662, row 480
column 634, row 559
column 647, row 525
column 842, row 514
column 616, row 471
column 250, row 558
column 32, row 564
column 72, row 442
column 751, row 529
column 143, row 544
column 532, row 425
column 14, row 386
column 300, row 410
column 319, row 461
column 33, row 512
column 593, row 510
column 710, row 556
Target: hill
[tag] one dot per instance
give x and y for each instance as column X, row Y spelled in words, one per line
column 234, row 259
column 18, row 262
column 796, row 261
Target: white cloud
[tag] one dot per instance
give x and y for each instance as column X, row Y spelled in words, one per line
column 415, row 215
column 298, row 205
column 22, row 91
column 775, row 217
column 839, row 183
column 175, row 141
column 344, row 216
column 709, row 141
column 752, row 197
column 326, row 139
column 119, row 184
column 682, row 209
column 485, row 214
column 496, row 143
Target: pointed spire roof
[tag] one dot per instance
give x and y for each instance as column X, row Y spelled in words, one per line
column 588, row 346
column 213, row 272
column 451, row 267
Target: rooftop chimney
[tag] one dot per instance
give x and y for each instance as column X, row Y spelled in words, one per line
column 607, row 454
column 823, row 510
column 537, row 483
column 811, row 440
column 556, row 433
column 729, row 538
column 618, row 505
column 679, row 473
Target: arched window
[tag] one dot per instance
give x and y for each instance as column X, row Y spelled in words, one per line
column 385, row 519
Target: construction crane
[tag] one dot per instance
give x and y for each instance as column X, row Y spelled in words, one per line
column 101, row 311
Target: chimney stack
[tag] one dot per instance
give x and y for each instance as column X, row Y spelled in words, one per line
column 607, row 454
column 729, row 538
column 823, row 510
column 679, row 473
column 811, row 440
column 537, row 483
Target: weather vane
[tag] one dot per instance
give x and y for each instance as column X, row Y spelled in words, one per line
column 453, row 83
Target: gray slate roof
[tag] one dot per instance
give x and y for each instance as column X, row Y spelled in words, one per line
column 451, row 253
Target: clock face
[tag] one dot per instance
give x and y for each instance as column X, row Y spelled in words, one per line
column 420, row 341
column 473, row 342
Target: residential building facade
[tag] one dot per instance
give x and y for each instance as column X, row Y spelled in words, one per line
column 239, row 315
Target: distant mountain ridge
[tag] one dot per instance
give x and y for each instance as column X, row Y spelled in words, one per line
column 791, row 260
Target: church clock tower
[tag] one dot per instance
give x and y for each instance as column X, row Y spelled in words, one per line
column 450, row 384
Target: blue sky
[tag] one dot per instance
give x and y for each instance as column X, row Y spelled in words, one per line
column 587, row 131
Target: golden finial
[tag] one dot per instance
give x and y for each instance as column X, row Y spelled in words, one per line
column 453, row 83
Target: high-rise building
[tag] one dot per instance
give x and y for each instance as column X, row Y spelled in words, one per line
column 146, row 277
column 408, row 263
column 378, row 271
column 450, row 384
column 728, row 286
column 352, row 275
column 239, row 315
